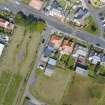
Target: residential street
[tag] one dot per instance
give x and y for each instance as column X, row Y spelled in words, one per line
column 55, row 23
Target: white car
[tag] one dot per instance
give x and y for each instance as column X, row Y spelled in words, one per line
column 17, row 2
column 41, row 67
column 6, row 8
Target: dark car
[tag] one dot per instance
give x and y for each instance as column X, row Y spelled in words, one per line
column 102, row 18
column 43, row 40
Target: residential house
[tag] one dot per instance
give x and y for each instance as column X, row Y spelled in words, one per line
column 81, row 66
column 95, row 59
column 49, row 71
column 80, row 14
column 55, row 41
column 49, row 68
column 48, row 50
column 80, row 50
column 55, row 10
column 6, row 24
column 37, row 4
column 96, row 55
column 57, row 14
column 67, row 46
column 52, row 62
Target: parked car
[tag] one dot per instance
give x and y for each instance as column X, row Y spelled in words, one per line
column 102, row 18
column 41, row 67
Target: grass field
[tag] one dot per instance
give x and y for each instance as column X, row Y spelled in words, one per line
column 18, row 58
column 51, row 89
column 67, row 88
column 91, row 26
column 96, row 3
column 21, row 51
column 4, row 1
column 84, row 91
column 9, row 84
column 26, row 1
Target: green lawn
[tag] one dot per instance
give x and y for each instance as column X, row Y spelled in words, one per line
column 3, row 81
column 18, row 58
column 96, row 3
column 51, row 89
column 84, row 91
column 91, row 26
column 3, row 1
column 26, row 1
column 67, row 61
column 9, row 84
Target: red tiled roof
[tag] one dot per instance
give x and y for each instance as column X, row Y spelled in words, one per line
column 66, row 47
column 5, row 24
column 55, row 40
column 37, row 4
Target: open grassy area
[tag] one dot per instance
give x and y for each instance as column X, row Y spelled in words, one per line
column 21, row 51
column 9, row 84
column 68, row 4
column 18, row 59
column 95, row 3
column 91, row 26
column 51, row 89
column 84, row 91
column 3, row 1
column 67, row 61
column 26, row 1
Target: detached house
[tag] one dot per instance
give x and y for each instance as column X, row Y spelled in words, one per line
column 6, row 24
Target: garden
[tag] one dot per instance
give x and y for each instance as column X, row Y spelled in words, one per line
column 90, row 26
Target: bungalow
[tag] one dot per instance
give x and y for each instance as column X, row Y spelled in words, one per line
column 56, row 41
column 52, row 62
column 80, row 50
column 80, row 12
column 48, row 50
column 96, row 55
column 6, row 24
column 67, row 46
column 37, row 4
column 49, row 71
column 95, row 59
column 57, row 14
column 81, row 66
column 79, row 16
column 49, row 68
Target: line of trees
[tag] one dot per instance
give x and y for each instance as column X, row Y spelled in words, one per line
column 30, row 22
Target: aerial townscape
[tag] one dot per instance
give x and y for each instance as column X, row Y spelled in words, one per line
column 52, row 52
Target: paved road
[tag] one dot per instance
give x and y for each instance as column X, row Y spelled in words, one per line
column 55, row 23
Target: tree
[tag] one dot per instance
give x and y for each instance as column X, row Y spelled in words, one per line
column 96, row 68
